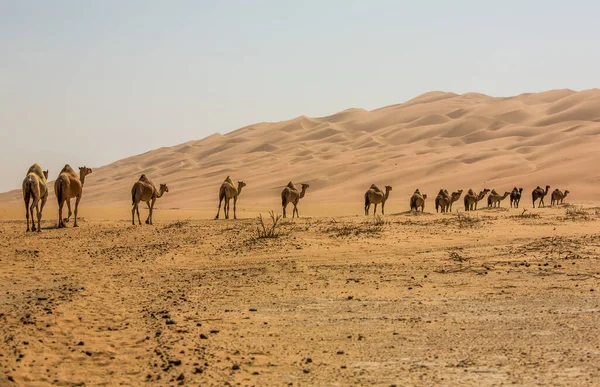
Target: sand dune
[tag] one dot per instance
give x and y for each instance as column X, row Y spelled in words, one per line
column 434, row 140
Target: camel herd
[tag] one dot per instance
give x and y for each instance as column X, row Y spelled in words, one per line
column 70, row 186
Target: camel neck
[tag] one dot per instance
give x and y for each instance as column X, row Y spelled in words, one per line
column 240, row 189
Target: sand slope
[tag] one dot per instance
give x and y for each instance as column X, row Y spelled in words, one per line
column 435, row 140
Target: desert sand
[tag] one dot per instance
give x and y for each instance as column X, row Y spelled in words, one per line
column 493, row 297
column 435, row 140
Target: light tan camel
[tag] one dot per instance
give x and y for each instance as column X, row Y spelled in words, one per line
column 558, row 196
column 471, row 199
column 68, row 186
column 453, row 198
column 417, row 200
column 539, row 193
column 442, row 201
column 375, row 196
column 35, row 188
column 291, row 195
column 495, row 199
column 144, row 190
column 227, row 192
column 515, row 197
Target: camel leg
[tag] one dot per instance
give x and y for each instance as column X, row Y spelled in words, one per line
column 152, row 211
column 295, row 212
column 39, row 217
column 284, row 206
column 39, row 212
column 234, row 203
column 33, row 205
column 149, row 212
column 137, row 210
column 61, row 224
column 367, row 208
column 226, row 208
column 219, row 209
column 133, row 214
column 27, row 213
column 382, row 208
column 375, row 210
column 70, row 213
column 76, row 207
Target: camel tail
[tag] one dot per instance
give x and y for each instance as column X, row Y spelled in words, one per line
column 59, row 192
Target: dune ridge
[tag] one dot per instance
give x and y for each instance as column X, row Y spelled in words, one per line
column 435, row 140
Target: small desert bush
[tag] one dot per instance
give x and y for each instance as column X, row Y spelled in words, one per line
column 178, row 224
column 526, row 215
column 268, row 231
column 577, row 213
column 465, row 220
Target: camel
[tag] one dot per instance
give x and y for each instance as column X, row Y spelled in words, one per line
column 291, row 195
column 495, row 199
column 471, row 199
column 68, row 186
column 539, row 193
column 558, row 196
column 417, row 200
column 442, row 201
column 453, row 198
column 375, row 196
column 144, row 190
column 227, row 192
column 515, row 197
column 35, row 187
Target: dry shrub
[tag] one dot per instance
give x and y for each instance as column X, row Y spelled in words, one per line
column 465, row 220
column 271, row 231
column 577, row 213
column 526, row 215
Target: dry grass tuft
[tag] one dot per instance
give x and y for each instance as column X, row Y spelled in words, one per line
column 465, row 220
column 271, row 231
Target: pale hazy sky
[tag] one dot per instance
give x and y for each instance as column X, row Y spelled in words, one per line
column 91, row 82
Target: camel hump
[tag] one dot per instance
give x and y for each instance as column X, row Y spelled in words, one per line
column 37, row 170
column 470, row 192
column 376, row 188
column 291, row 185
column 228, row 180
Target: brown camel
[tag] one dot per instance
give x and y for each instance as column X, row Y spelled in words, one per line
column 68, row 186
column 515, row 197
column 144, row 190
column 35, row 188
column 539, row 193
column 453, row 198
column 442, row 201
column 227, row 192
column 495, row 199
column 417, row 200
column 291, row 195
column 375, row 196
column 471, row 199
column 558, row 196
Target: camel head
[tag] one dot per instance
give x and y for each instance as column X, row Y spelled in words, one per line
column 83, row 172
column 520, row 190
column 388, row 187
column 241, row 185
column 305, row 186
column 45, row 174
column 547, row 187
column 566, row 192
column 424, row 196
column 163, row 188
column 460, row 191
column 486, row 190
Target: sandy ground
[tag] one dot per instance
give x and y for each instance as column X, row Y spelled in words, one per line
column 495, row 298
